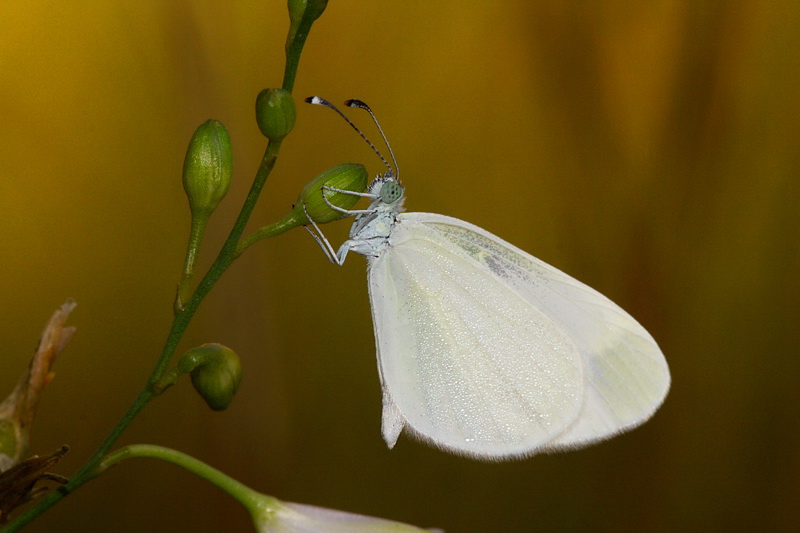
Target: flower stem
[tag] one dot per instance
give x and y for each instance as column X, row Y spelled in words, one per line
column 192, row 251
column 276, row 228
column 241, row 493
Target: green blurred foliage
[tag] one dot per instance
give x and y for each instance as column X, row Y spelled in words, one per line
column 647, row 148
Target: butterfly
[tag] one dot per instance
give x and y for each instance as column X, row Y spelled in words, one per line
column 484, row 350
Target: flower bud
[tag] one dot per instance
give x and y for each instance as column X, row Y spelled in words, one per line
column 275, row 113
column 208, row 167
column 349, row 177
column 300, row 9
column 215, row 371
column 315, row 8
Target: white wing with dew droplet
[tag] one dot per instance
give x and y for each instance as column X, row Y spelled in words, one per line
column 625, row 375
column 466, row 362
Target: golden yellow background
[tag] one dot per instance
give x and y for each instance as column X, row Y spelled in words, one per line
column 650, row 149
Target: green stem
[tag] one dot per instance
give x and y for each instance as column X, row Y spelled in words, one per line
column 192, row 251
column 276, row 228
column 293, row 59
column 241, row 493
column 293, row 51
column 171, row 377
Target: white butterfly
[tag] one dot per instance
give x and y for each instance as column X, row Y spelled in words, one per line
column 484, row 350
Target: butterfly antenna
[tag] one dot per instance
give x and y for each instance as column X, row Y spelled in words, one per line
column 316, row 100
column 361, row 105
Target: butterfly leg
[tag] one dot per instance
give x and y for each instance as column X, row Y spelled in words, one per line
column 353, row 193
column 320, row 239
column 347, row 212
column 336, row 258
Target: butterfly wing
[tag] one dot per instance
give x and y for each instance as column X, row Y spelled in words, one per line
column 625, row 375
column 466, row 361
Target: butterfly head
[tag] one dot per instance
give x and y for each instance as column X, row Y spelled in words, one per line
column 387, row 189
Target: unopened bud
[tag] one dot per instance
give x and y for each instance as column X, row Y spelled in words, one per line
column 315, row 8
column 347, row 177
column 303, row 9
column 275, row 113
column 208, row 167
column 215, row 371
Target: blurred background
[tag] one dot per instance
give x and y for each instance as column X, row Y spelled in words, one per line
column 649, row 149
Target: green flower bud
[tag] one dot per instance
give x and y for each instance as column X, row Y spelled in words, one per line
column 296, row 10
column 215, row 371
column 349, row 177
column 299, row 9
column 208, row 167
column 275, row 113
column 315, row 8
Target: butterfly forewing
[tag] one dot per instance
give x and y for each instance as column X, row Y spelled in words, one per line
column 626, row 375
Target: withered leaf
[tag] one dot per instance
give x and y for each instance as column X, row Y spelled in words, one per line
column 18, row 484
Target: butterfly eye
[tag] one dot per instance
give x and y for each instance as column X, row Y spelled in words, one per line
column 391, row 192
